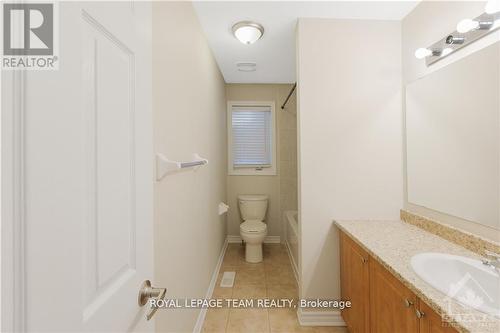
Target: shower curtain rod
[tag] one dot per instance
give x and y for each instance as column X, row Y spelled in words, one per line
column 289, row 95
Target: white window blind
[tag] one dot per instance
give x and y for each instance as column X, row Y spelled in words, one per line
column 251, row 136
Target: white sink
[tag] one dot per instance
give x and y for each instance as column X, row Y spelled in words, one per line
column 465, row 280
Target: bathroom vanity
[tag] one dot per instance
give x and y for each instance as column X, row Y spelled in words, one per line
column 386, row 294
column 381, row 302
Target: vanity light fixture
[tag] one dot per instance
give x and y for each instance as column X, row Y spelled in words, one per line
column 467, row 25
column 454, row 40
column 248, row 32
column 492, row 7
column 468, row 31
column 446, row 51
column 422, row 53
column 495, row 25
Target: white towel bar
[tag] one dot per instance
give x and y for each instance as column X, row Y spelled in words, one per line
column 165, row 166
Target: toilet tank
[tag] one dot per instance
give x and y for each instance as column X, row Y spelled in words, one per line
column 253, row 206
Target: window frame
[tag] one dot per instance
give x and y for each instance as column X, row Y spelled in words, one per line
column 250, row 171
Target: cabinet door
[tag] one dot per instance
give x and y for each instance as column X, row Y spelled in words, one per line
column 354, row 280
column 431, row 322
column 392, row 305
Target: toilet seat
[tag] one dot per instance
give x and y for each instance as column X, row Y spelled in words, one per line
column 253, row 226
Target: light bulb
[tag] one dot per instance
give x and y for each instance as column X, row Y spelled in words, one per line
column 247, row 35
column 495, row 25
column 421, row 53
column 492, row 7
column 248, row 32
column 446, row 51
column 467, row 25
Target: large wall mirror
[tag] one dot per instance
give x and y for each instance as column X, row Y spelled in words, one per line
column 453, row 138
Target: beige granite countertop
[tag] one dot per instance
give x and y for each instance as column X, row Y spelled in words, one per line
column 393, row 243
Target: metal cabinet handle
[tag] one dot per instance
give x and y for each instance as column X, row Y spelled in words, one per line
column 146, row 292
column 419, row 314
column 408, row 303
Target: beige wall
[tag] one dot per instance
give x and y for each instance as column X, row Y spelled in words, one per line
column 350, row 137
column 280, row 192
column 427, row 23
column 189, row 117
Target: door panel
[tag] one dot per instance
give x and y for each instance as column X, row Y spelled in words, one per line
column 88, row 178
column 108, row 85
column 431, row 322
column 355, row 285
column 389, row 309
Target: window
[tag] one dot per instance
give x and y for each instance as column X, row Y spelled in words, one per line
column 251, row 127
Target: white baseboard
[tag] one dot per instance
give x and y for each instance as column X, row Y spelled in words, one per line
column 203, row 312
column 294, row 264
column 267, row 240
column 233, row 239
column 320, row 318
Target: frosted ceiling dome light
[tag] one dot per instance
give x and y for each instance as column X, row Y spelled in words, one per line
column 248, row 32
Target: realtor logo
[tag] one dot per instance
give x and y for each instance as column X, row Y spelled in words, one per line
column 37, row 24
column 29, row 36
column 469, row 292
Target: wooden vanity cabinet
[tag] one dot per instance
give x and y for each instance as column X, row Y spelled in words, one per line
column 380, row 302
column 431, row 322
column 392, row 305
column 354, row 279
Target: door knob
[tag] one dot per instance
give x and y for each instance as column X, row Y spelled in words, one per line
column 147, row 292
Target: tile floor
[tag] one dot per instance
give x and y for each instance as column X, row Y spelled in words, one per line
column 273, row 278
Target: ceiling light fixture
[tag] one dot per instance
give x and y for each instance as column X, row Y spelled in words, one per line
column 248, row 32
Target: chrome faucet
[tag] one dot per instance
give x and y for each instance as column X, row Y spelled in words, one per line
column 493, row 260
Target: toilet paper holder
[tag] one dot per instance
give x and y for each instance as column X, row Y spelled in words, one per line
column 223, row 208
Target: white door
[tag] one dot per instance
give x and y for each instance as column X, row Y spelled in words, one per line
column 78, row 144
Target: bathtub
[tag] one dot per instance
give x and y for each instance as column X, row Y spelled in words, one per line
column 290, row 221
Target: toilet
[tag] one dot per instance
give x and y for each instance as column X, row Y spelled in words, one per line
column 253, row 230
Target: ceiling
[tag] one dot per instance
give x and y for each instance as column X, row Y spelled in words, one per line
column 275, row 52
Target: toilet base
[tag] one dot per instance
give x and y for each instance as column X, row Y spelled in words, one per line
column 253, row 253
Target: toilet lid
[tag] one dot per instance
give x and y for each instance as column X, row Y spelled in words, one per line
column 253, row 226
